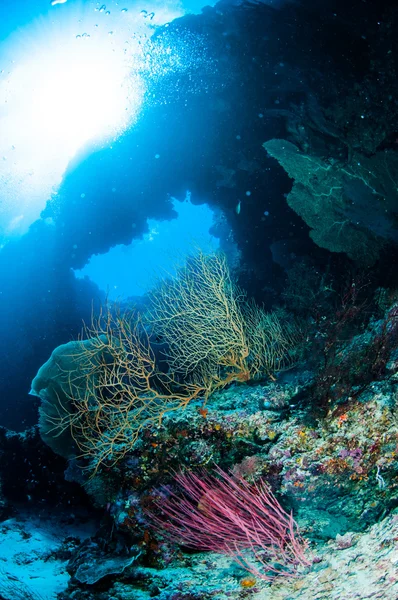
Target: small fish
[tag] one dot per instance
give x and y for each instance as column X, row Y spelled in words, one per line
column 55, row 2
column 237, row 209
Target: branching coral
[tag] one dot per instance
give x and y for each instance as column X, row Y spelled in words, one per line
column 225, row 514
column 199, row 315
column 274, row 340
column 123, row 390
column 213, row 334
column 112, row 387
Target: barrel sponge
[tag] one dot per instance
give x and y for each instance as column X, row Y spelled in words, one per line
column 52, row 385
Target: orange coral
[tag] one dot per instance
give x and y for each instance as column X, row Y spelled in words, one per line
column 248, row 582
column 123, row 389
column 214, row 334
column 214, row 337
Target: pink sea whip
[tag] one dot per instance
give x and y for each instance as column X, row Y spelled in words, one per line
column 226, row 514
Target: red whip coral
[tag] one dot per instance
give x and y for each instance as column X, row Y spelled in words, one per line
column 228, row 515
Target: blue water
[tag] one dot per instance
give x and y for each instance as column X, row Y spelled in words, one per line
column 127, row 271
column 87, row 206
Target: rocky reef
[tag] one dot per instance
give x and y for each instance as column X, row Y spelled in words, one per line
column 322, row 434
column 234, row 434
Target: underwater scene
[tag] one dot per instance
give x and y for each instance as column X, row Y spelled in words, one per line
column 198, row 300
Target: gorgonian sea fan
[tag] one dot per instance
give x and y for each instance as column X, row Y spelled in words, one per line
column 224, row 513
